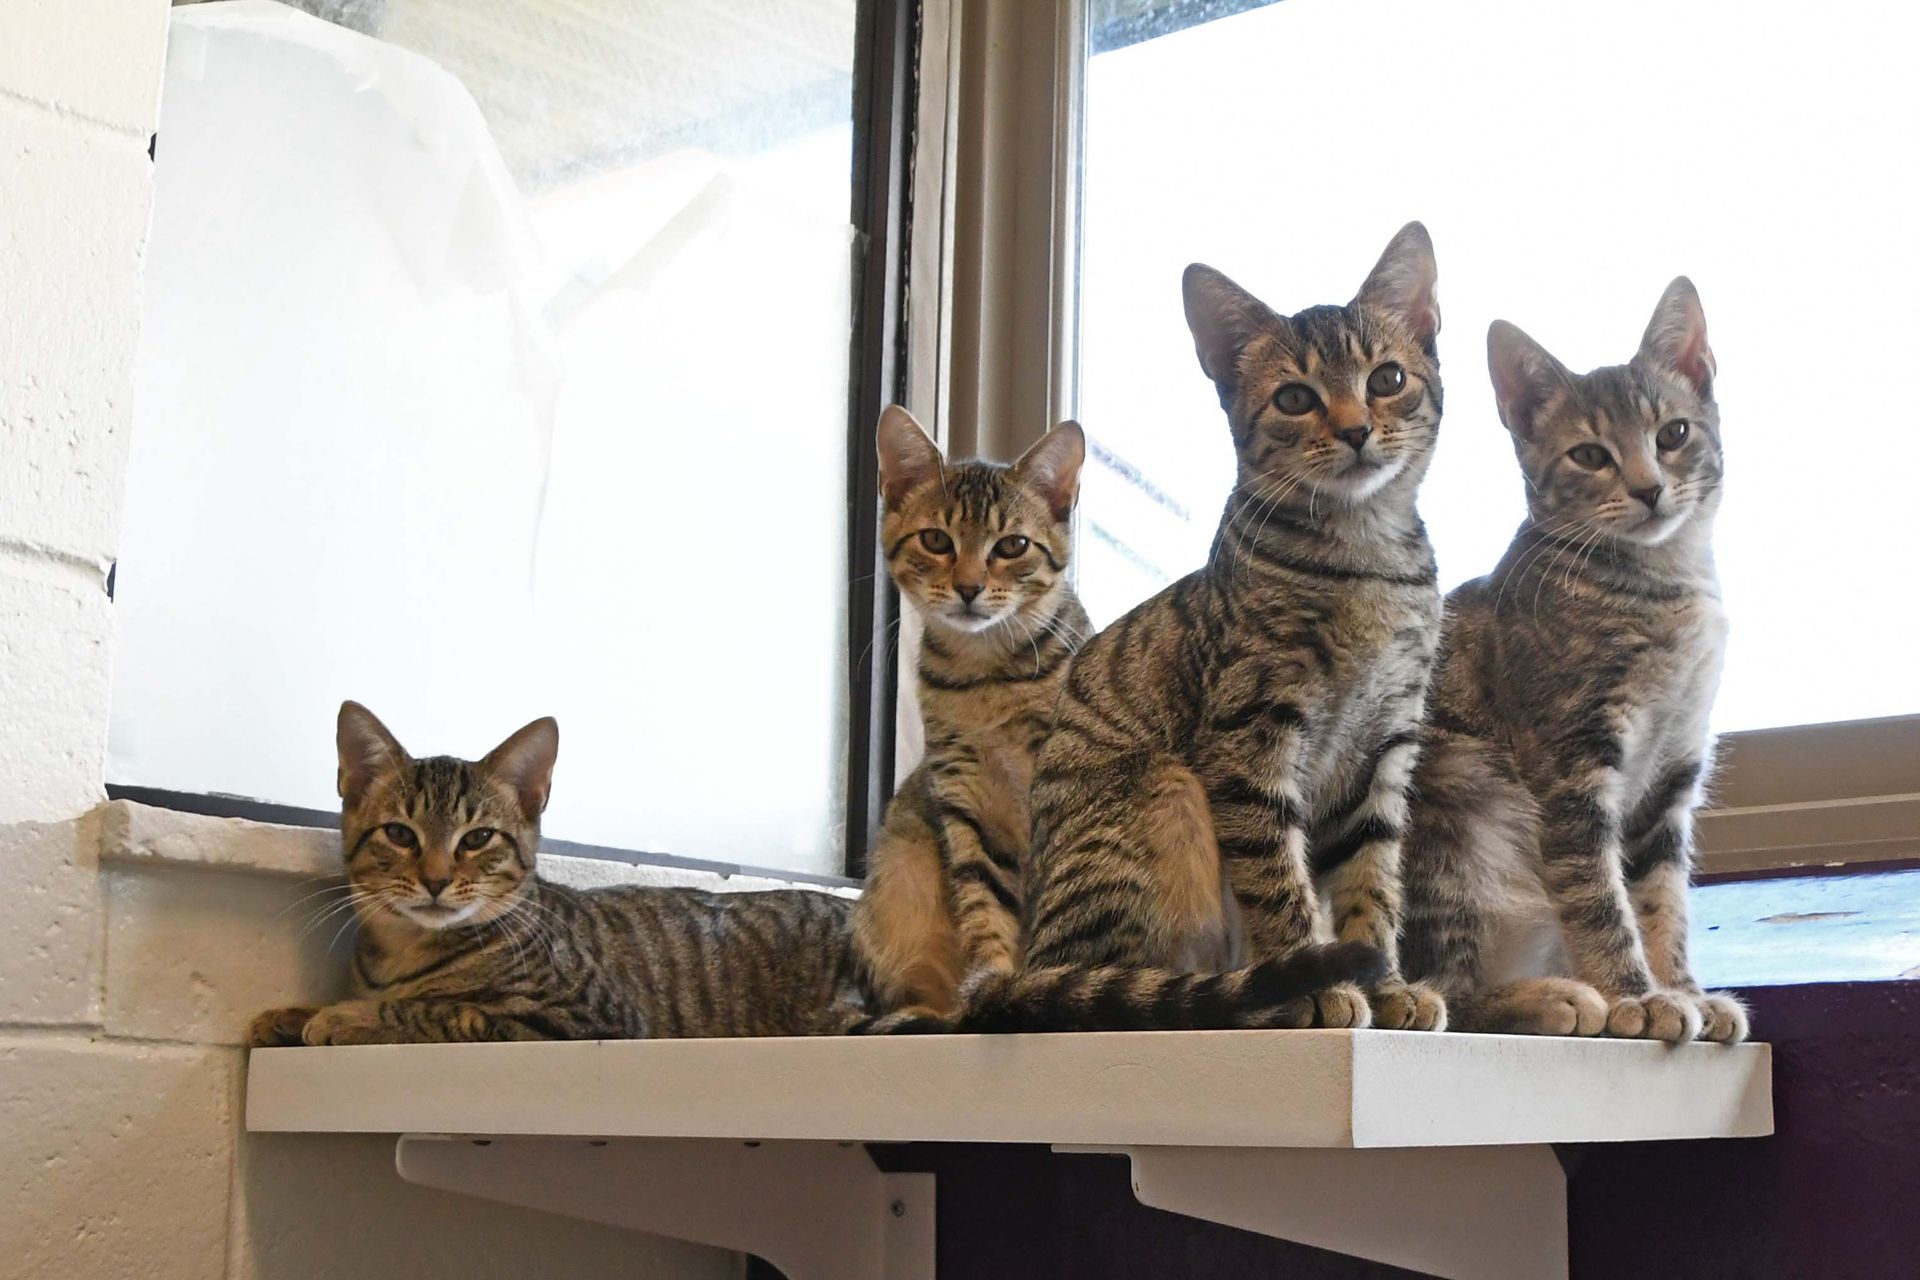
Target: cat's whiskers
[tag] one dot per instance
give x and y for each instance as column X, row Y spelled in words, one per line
column 1581, row 549
column 305, row 898
column 542, row 923
column 1032, row 635
column 1291, row 482
column 891, row 631
column 1262, row 482
column 508, row 928
column 355, row 896
column 1263, row 504
column 1071, row 636
column 385, row 897
column 1545, row 540
column 1543, row 568
column 1593, row 548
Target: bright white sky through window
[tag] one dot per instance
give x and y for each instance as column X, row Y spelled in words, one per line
column 1569, row 160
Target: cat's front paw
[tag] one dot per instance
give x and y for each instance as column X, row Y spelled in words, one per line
column 1723, row 1019
column 1657, row 1015
column 915, row 1020
column 1343, row 1005
column 346, row 1024
column 279, row 1028
column 1408, row 1006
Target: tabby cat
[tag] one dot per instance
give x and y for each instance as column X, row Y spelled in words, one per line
column 981, row 551
column 1568, row 742
column 460, row 940
column 1252, row 728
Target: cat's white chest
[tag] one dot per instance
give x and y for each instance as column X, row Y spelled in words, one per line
column 1674, row 702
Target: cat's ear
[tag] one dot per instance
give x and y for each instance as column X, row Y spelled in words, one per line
column 1224, row 318
column 1525, row 375
column 1404, row 283
column 1676, row 338
column 366, row 748
column 1051, row 468
column 908, row 456
column 524, row 762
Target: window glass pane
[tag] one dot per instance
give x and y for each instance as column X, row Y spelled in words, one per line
column 495, row 364
column 1569, row 159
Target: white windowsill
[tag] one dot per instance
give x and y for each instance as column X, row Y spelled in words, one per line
column 139, row 833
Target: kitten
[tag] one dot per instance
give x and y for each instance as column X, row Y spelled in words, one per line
column 1568, row 742
column 1252, row 728
column 981, row 552
column 460, row 940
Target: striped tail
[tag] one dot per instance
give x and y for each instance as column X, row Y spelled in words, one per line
column 1122, row 999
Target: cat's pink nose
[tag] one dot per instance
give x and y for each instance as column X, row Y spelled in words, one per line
column 969, row 591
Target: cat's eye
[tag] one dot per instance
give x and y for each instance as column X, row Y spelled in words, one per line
column 1295, row 399
column 478, row 838
column 1011, row 547
column 936, row 541
column 1387, row 380
column 1590, row 456
column 1673, row 435
column 401, row 834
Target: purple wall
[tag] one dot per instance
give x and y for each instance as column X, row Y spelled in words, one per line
column 1834, row 1194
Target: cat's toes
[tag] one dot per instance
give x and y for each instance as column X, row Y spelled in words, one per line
column 1294, row 1015
column 1723, row 1019
column 915, row 1020
column 340, row 1026
column 1408, row 1006
column 1344, row 1005
column 1657, row 1015
column 1576, row 1010
column 277, row 1028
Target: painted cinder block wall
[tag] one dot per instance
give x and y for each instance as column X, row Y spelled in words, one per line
column 134, row 943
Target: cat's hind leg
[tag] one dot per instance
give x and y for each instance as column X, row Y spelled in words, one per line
column 1467, row 867
column 903, row 928
column 1196, row 902
column 1129, row 873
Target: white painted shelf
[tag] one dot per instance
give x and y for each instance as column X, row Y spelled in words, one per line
column 1407, row 1148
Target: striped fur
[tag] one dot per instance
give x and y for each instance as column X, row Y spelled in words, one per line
column 1001, row 623
column 1568, row 743
column 1251, row 729
column 460, row 940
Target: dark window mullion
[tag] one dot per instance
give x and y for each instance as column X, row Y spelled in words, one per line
column 883, row 148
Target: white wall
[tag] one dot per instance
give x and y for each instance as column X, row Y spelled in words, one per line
column 78, row 83
column 134, row 943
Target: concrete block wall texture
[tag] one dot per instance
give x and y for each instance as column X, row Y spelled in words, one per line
column 79, row 89
column 135, row 944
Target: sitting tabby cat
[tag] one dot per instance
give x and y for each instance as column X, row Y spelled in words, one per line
column 1253, row 727
column 1568, row 740
column 460, row 940
column 981, row 550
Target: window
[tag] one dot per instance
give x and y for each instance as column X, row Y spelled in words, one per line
column 495, row 364
column 1749, row 146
